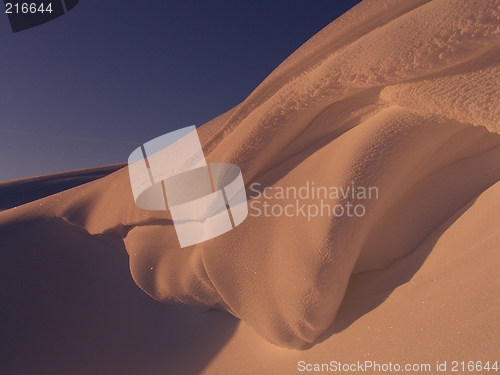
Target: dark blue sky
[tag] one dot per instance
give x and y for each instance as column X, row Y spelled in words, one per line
column 87, row 88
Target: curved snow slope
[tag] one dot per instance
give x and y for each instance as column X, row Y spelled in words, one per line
column 398, row 95
column 22, row 191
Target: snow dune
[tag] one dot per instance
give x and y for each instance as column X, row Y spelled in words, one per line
column 398, row 95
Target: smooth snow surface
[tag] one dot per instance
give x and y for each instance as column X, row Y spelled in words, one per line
column 399, row 95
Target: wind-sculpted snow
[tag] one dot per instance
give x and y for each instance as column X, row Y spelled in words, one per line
column 405, row 103
column 428, row 40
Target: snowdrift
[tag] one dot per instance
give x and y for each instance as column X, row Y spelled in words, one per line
column 401, row 96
